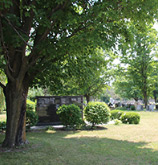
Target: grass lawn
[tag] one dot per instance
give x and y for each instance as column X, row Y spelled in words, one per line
column 113, row 145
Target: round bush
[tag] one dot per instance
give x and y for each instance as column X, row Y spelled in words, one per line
column 121, row 108
column 31, row 118
column 130, row 117
column 116, row 114
column 70, row 115
column 97, row 113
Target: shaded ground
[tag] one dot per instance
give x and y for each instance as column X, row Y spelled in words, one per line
column 121, row 145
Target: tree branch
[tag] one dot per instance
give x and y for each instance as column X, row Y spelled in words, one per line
column 39, row 38
column 5, row 49
column 8, row 74
column 27, row 21
column 16, row 31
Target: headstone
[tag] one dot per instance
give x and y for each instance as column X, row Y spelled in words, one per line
column 147, row 107
column 151, row 107
column 64, row 101
column 139, row 107
column 48, row 105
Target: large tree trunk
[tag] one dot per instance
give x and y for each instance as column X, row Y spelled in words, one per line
column 16, row 114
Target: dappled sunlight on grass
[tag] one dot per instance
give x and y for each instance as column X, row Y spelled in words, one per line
column 152, row 146
column 116, row 144
column 51, row 131
column 91, row 148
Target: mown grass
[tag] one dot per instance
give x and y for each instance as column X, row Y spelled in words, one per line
column 115, row 144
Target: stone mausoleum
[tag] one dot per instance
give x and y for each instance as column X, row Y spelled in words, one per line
column 47, row 106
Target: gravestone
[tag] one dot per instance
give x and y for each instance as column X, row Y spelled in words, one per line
column 151, row 107
column 47, row 106
column 139, row 107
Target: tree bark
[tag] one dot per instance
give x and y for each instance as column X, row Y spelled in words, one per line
column 16, row 114
column 87, row 98
column 145, row 99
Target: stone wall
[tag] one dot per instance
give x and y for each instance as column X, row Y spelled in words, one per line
column 47, row 106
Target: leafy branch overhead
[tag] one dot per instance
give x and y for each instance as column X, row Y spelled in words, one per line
column 37, row 36
column 46, row 28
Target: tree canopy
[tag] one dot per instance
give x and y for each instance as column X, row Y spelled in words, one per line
column 38, row 34
column 139, row 59
column 83, row 74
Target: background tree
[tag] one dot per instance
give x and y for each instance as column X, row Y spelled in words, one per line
column 37, row 91
column 155, row 75
column 126, row 88
column 35, row 34
column 139, row 60
column 85, row 75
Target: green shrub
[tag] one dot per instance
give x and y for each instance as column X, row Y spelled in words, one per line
column 97, row 113
column 70, row 115
column 2, row 125
column 30, row 105
column 116, row 114
column 130, row 118
column 31, row 118
column 121, row 108
column 132, row 107
column 50, row 128
column 117, row 122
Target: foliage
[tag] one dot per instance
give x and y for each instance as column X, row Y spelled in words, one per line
column 105, row 99
column 70, row 115
column 30, row 105
column 2, row 125
column 130, row 118
column 117, row 121
column 138, row 78
column 39, row 36
column 31, row 115
column 116, row 114
column 36, row 91
column 121, row 108
column 132, row 107
column 31, row 118
column 155, row 75
column 50, row 128
column 97, row 113
column 2, row 98
column 90, row 76
column 126, row 88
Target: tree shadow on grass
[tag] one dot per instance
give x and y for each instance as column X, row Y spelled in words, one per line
column 87, row 148
column 79, row 148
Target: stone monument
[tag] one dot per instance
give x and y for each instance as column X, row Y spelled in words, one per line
column 47, row 106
